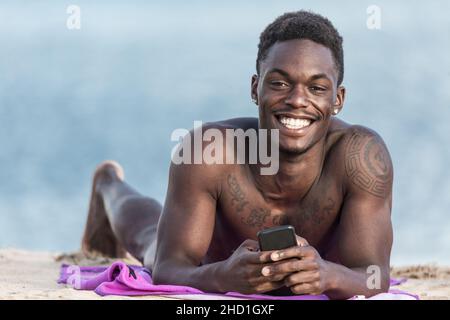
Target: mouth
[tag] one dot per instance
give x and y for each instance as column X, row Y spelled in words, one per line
column 294, row 124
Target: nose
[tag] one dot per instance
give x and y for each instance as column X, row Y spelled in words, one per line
column 297, row 98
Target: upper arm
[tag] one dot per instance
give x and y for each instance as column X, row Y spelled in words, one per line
column 187, row 222
column 365, row 233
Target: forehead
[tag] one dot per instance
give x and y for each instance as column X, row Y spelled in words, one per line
column 300, row 57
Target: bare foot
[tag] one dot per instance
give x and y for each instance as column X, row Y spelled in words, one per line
column 98, row 235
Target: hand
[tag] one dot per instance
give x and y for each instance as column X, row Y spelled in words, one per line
column 308, row 272
column 241, row 272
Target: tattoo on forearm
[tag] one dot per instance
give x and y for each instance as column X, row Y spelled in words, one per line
column 368, row 165
column 237, row 195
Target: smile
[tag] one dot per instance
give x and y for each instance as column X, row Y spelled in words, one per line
column 294, row 123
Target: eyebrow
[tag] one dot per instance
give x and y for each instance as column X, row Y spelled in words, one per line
column 280, row 71
column 312, row 78
column 320, row 76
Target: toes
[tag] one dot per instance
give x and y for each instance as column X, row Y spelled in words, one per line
column 111, row 166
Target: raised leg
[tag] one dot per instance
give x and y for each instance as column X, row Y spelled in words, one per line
column 120, row 219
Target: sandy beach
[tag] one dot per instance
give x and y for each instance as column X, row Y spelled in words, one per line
column 32, row 275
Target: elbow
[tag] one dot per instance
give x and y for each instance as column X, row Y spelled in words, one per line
column 167, row 272
column 159, row 276
column 382, row 286
column 171, row 271
column 377, row 280
column 385, row 283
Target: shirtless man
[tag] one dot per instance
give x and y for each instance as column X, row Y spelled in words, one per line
column 334, row 185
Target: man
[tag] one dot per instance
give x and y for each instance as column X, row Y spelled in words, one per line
column 334, row 185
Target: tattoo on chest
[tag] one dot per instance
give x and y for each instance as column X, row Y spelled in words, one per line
column 280, row 220
column 367, row 164
column 257, row 218
column 237, row 195
column 312, row 214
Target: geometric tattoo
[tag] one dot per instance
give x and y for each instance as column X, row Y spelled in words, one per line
column 368, row 164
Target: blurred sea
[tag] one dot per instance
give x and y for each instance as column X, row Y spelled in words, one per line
column 137, row 70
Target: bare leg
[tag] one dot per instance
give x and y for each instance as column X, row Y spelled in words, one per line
column 120, row 219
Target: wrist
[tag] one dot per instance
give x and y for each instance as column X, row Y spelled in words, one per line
column 218, row 277
column 332, row 279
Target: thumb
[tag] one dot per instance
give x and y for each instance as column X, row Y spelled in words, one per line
column 249, row 244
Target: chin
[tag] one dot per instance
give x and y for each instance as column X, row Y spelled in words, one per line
column 294, row 149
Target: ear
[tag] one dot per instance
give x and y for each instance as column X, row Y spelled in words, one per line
column 254, row 89
column 339, row 100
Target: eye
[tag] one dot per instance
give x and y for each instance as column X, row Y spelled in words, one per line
column 279, row 84
column 317, row 89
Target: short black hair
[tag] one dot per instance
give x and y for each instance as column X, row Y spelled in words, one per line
column 303, row 25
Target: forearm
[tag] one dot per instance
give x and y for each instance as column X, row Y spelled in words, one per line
column 347, row 282
column 207, row 277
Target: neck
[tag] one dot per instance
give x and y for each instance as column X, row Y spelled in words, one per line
column 296, row 175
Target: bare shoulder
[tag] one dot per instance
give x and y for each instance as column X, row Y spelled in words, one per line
column 201, row 156
column 367, row 162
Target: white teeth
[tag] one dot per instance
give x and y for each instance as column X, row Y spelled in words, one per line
column 292, row 123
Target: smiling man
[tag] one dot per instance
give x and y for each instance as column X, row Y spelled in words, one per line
column 334, row 185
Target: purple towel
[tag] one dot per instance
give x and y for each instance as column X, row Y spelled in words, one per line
column 124, row 280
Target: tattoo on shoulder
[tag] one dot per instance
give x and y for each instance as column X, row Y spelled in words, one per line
column 368, row 165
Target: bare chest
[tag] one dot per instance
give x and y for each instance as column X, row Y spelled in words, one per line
column 243, row 211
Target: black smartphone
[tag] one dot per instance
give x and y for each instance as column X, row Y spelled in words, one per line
column 277, row 238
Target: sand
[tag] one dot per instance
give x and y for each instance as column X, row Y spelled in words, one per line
column 32, row 275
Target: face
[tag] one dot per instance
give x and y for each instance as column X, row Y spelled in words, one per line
column 297, row 93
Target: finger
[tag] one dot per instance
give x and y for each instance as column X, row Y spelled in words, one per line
column 272, row 268
column 253, row 271
column 301, row 277
column 306, row 288
column 289, row 266
column 294, row 252
column 269, row 286
column 259, row 279
column 261, row 272
column 255, row 260
column 302, row 242
column 276, row 277
column 259, row 257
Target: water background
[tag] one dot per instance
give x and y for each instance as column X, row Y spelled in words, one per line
column 137, row 70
